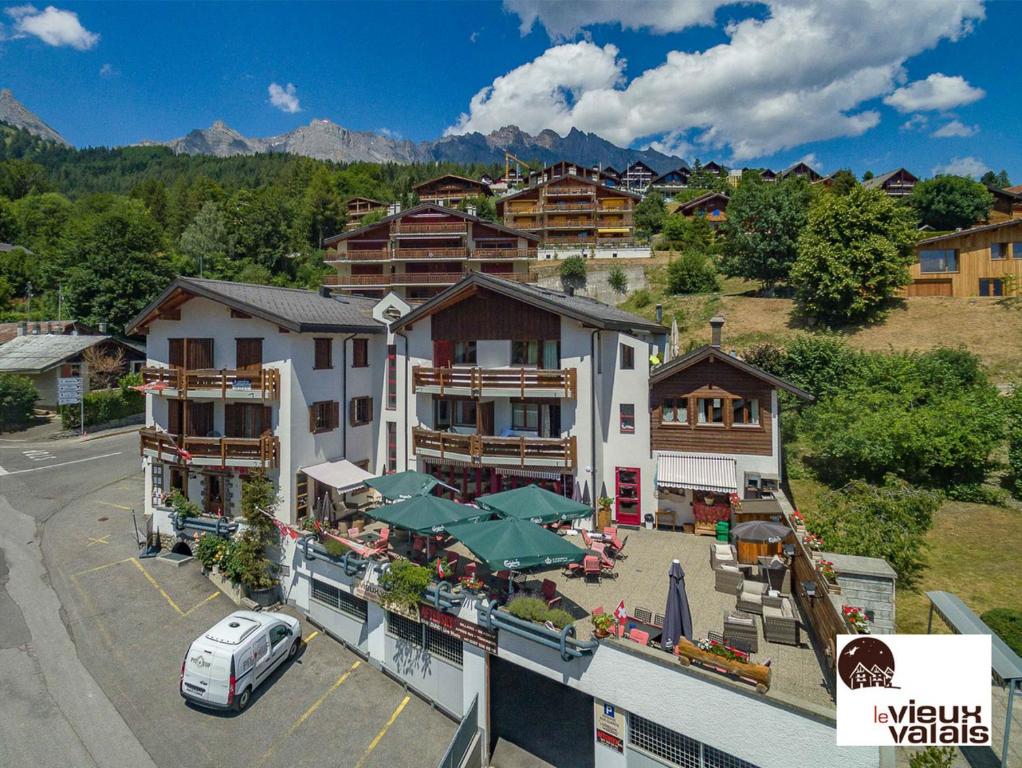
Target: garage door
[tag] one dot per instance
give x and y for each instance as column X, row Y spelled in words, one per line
column 930, row 288
column 540, row 715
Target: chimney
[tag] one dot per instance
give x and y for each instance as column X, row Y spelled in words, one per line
column 23, row 328
column 36, row 328
column 716, row 325
column 324, row 291
column 102, row 328
column 660, row 313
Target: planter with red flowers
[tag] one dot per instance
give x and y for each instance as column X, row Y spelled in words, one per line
column 856, row 619
column 829, row 573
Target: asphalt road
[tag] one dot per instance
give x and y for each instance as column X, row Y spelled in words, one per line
column 91, row 641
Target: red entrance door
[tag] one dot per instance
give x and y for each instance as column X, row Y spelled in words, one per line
column 627, row 496
column 442, row 354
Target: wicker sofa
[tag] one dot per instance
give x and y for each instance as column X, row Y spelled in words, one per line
column 742, row 627
column 781, row 624
column 752, row 596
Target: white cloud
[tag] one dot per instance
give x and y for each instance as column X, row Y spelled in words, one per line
column 108, row 70
column 51, row 25
column 389, row 133
column 956, row 129
column 284, row 98
column 970, row 166
column 811, row 160
column 937, row 91
column 917, row 122
column 564, row 20
column 473, row 37
column 801, row 74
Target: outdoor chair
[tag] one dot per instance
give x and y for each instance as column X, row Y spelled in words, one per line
column 619, row 548
column 715, row 637
column 780, row 623
column 638, row 636
column 658, row 620
column 586, row 539
column 726, row 578
column 645, row 615
column 549, row 593
column 384, row 535
column 470, row 570
column 353, row 532
column 741, row 628
column 751, row 595
column 598, row 610
column 591, row 568
column 722, row 553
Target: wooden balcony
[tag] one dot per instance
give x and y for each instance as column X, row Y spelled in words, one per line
column 567, row 207
column 431, row 253
column 376, row 254
column 485, row 450
column 495, row 382
column 503, row 253
column 415, row 278
column 250, row 452
column 440, row 228
column 570, row 191
column 224, row 384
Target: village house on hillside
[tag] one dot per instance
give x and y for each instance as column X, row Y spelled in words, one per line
column 450, row 190
column 981, row 261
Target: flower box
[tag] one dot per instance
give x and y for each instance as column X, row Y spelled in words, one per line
column 755, row 674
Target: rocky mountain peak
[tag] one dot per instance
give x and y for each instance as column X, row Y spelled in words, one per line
column 14, row 113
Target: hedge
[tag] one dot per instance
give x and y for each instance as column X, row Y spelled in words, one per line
column 17, row 399
column 104, row 405
column 1007, row 625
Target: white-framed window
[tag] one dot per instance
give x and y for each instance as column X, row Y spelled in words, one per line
column 525, row 416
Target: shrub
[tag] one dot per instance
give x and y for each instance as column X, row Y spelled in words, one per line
column 335, row 548
column 102, row 406
column 182, row 505
column 573, row 272
column 257, row 496
column 933, row 757
column 887, row 521
column 692, row 272
column 641, row 298
column 404, row 582
column 1006, row 623
column 17, row 399
column 534, row 609
column 617, row 279
column 213, row 550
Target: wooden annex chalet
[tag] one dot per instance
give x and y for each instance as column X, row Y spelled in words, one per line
column 671, row 181
column 450, row 190
column 712, row 206
column 571, row 211
column 714, row 167
column 896, row 183
column 420, row 251
column 1007, row 205
column 358, row 207
column 981, row 261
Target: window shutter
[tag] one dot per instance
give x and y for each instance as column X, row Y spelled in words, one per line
column 352, row 407
column 335, row 415
column 369, row 410
column 267, row 419
column 312, row 418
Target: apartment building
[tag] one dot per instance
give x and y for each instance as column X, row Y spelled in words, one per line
column 358, row 207
column 244, row 379
column 565, row 168
column 981, row 261
column 638, row 176
column 450, row 190
column 514, row 384
column 418, row 252
column 670, row 183
column 896, row 183
column 711, row 206
column 572, row 212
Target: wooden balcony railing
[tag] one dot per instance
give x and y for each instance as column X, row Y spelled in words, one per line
column 520, row 382
column 375, row 254
column 263, row 384
column 255, row 452
column 503, row 253
column 440, row 228
column 570, row 191
column 569, row 223
column 431, row 253
column 496, row 451
column 415, row 278
column 567, row 207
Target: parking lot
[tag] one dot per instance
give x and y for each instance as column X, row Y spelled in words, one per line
column 132, row 621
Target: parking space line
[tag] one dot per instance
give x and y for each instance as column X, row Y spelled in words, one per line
column 98, row 540
column 311, row 637
column 156, row 584
column 308, row 713
column 91, row 606
column 201, row 603
column 383, row 731
column 115, row 506
column 100, row 567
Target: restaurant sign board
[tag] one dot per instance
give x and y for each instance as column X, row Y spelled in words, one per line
column 459, row 628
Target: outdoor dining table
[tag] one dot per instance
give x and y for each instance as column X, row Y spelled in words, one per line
column 369, row 537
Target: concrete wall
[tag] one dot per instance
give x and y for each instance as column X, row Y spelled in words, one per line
column 598, row 286
column 869, row 583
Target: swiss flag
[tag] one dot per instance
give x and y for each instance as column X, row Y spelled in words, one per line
column 185, row 455
column 620, row 613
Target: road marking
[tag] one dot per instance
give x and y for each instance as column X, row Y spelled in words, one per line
column 311, row 637
column 156, row 584
column 115, row 506
column 87, row 601
column 201, row 603
column 383, row 731
column 37, row 455
column 100, row 567
column 62, row 464
column 100, row 540
column 308, row 713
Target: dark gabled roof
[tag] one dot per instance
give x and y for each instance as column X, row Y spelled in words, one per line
column 702, row 199
column 425, row 207
column 365, row 199
column 295, row 309
column 804, row 167
column 1012, row 197
column 970, row 231
column 583, row 179
column 474, row 182
column 704, row 353
column 586, row 310
column 37, row 353
column 682, row 171
column 878, row 181
column 8, row 247
column 638, row 163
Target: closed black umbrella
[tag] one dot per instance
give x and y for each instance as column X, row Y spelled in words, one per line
column 677, row 615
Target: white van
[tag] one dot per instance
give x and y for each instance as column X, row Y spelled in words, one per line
column 224, row 666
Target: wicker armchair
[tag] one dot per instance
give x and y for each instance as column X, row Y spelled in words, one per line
column 727, row 577
column 781, row 624
column 741, row 627
column 722, row 553
column 752, row 596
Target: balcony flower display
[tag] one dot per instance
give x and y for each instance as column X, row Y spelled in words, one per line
column 813, row 541
column 856, row 617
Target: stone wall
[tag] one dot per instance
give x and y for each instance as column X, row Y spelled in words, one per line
column 597, row 287
column 868, row 583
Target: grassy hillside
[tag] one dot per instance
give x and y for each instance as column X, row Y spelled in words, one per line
column 989, row 327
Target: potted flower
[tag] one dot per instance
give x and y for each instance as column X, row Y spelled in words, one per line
column 603, row 514
column 856, row 618
column 403, row 584
column 829, row 573
column 471, row 583
column 813, row 541
column 798, row 521
column 602, row 623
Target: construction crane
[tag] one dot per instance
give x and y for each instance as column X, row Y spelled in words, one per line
column 520, row 165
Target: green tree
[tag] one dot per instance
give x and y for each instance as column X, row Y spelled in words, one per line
column 868, row 175
column 996, row 180
column 763, row 225
column 692, row 272
column 573, row 273
column 853, row 254
column 951, row 202
column 154, row 196
column 8, row 224
column 650, row 214
column 207, row 243
column 110, row 261
column 322, row 211
column 485, row 207
column 41, row 221
column 617, row 279
column 674, row 231
column 17, row 400
column 19, row 178
column 842, row 182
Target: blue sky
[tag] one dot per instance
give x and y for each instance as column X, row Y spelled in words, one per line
column 861, row 84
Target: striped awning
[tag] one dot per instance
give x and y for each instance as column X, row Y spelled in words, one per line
column 698, row 473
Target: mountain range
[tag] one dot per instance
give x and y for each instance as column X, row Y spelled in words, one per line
column 325, row 140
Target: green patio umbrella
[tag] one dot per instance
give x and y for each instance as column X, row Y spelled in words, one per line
column 426, row 514
column 405, row 485
column 530, row 502
column 514, row 544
